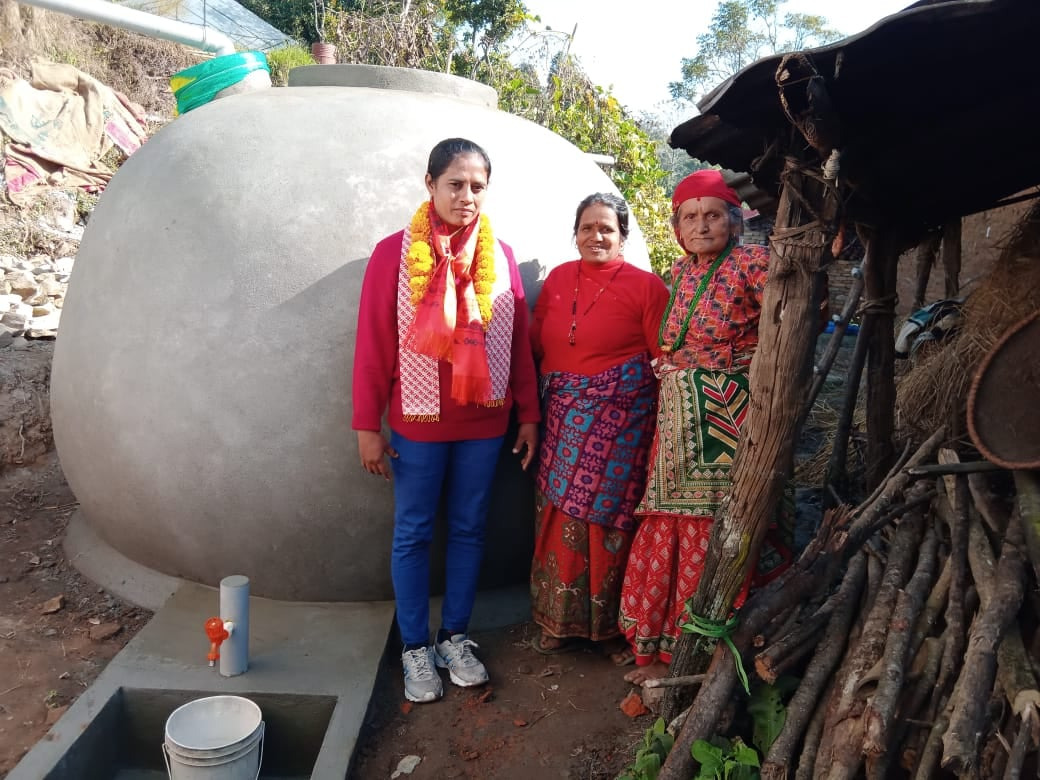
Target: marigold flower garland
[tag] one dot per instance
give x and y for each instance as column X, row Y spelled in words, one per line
column 420, row 261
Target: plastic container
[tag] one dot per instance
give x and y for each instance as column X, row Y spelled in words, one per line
column 199, row 84
column 214, row 738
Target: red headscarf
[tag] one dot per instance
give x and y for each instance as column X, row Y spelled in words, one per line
column 703, row 184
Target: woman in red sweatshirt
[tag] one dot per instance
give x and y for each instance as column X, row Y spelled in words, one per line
column 443, row 347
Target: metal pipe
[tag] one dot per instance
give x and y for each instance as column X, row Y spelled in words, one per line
column 234, row 609
column 194, row 35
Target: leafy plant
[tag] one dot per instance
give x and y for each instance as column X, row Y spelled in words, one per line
column 651, row 755
column 285, row 58
column 722, row 759
column 767, row 711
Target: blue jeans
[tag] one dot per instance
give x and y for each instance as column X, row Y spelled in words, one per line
column 461, row 472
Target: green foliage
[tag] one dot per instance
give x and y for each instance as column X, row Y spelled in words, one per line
column 722, row 759
column 651, row 754
column 295, row 18
column 594, row 121
column 767, row 711
column 741, row 32
column 285, row 58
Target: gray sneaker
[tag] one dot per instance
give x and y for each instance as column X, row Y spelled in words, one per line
column 421, row 681
column 463, row 667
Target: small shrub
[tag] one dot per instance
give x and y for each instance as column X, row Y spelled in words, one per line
column 285, row 58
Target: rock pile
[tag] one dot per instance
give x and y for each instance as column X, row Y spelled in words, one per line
column 32, row 285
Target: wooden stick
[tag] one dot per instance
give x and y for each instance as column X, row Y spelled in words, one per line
column 933, row 607
column 932, row 751
column 1014, row 669
column 992, row 512
column 669, row 682
column 1023, row 741
column 810, row 750
column 845, row 729
column 955, row 611
column 881, row 710
column 939, row 469
column 971, row 694
column 823, row 370
column 805, row 702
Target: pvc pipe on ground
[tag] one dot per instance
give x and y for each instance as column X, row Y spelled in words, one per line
column 193, row 35
column 234, row 609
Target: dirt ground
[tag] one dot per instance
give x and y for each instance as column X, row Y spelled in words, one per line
column 57, row 629
column 540, row 716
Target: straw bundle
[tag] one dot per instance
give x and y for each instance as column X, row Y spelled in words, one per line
column 935, row 389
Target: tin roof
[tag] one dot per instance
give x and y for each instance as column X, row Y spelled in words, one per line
column 934, row 107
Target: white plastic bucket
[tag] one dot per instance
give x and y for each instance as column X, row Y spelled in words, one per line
column 214, row 738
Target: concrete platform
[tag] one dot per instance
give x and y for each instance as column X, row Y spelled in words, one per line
column 296, row 649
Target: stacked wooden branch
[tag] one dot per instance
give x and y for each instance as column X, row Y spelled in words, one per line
column 901, row 620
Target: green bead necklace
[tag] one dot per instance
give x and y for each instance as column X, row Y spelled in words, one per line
column 685, row 326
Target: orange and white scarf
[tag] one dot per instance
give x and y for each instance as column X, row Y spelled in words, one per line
column 440, row 317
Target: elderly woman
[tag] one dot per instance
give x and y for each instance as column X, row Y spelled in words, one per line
column 594, row 333
column 707, row 337
column 443, row 347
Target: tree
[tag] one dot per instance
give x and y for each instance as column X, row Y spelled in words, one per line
column 741, row 32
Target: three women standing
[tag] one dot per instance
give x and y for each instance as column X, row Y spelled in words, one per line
column 594, row 333
column 443, row 347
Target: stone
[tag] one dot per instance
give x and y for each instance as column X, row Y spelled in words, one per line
column 50, row 286
column 50, row 606
column 35, row 334
column 104, row 631
column 54, row 714
column 63, row 265
column 632, row 705
column 17, row 318
column 43, row 309
column 49, row 321
column 7, row 262
column 22, row 282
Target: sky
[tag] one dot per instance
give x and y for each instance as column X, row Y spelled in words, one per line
column 636, row 46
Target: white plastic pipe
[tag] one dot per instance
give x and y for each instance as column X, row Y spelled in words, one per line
column 234, row 609
column 194, row 35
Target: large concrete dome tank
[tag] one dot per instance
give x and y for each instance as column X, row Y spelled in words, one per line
column 201, row 379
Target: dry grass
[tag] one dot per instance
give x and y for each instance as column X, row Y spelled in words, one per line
column 138, row 66
column 811, row 471
column 935, row 390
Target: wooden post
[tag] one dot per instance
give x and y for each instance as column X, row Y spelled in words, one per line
column 880, row 282
column 951, row 256
column 780, row 375
column 926, row 253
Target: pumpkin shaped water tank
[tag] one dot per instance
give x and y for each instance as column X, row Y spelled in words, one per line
column 201, row 379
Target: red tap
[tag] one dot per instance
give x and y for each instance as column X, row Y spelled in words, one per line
column 217, row 633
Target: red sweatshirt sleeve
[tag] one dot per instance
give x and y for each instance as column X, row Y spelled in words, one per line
column 653, row 312
column 523, row 379
column 375, row 350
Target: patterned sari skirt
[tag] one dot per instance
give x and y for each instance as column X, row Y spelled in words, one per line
column 591, row 474
column 576, row 575
column 698, row 425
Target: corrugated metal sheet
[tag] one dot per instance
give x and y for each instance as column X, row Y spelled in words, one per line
column 936, row 105
column 240, row 24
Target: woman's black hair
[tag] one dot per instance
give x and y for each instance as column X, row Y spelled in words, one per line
column 444, row 154
column 613, row 202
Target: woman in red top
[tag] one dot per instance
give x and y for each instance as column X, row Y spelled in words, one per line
column 707, row 337
column 443, row 347
column 594, row 333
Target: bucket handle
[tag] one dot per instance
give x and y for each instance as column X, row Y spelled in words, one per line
column 259, row 766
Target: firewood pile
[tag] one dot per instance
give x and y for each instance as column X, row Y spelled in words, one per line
column 908, row 623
